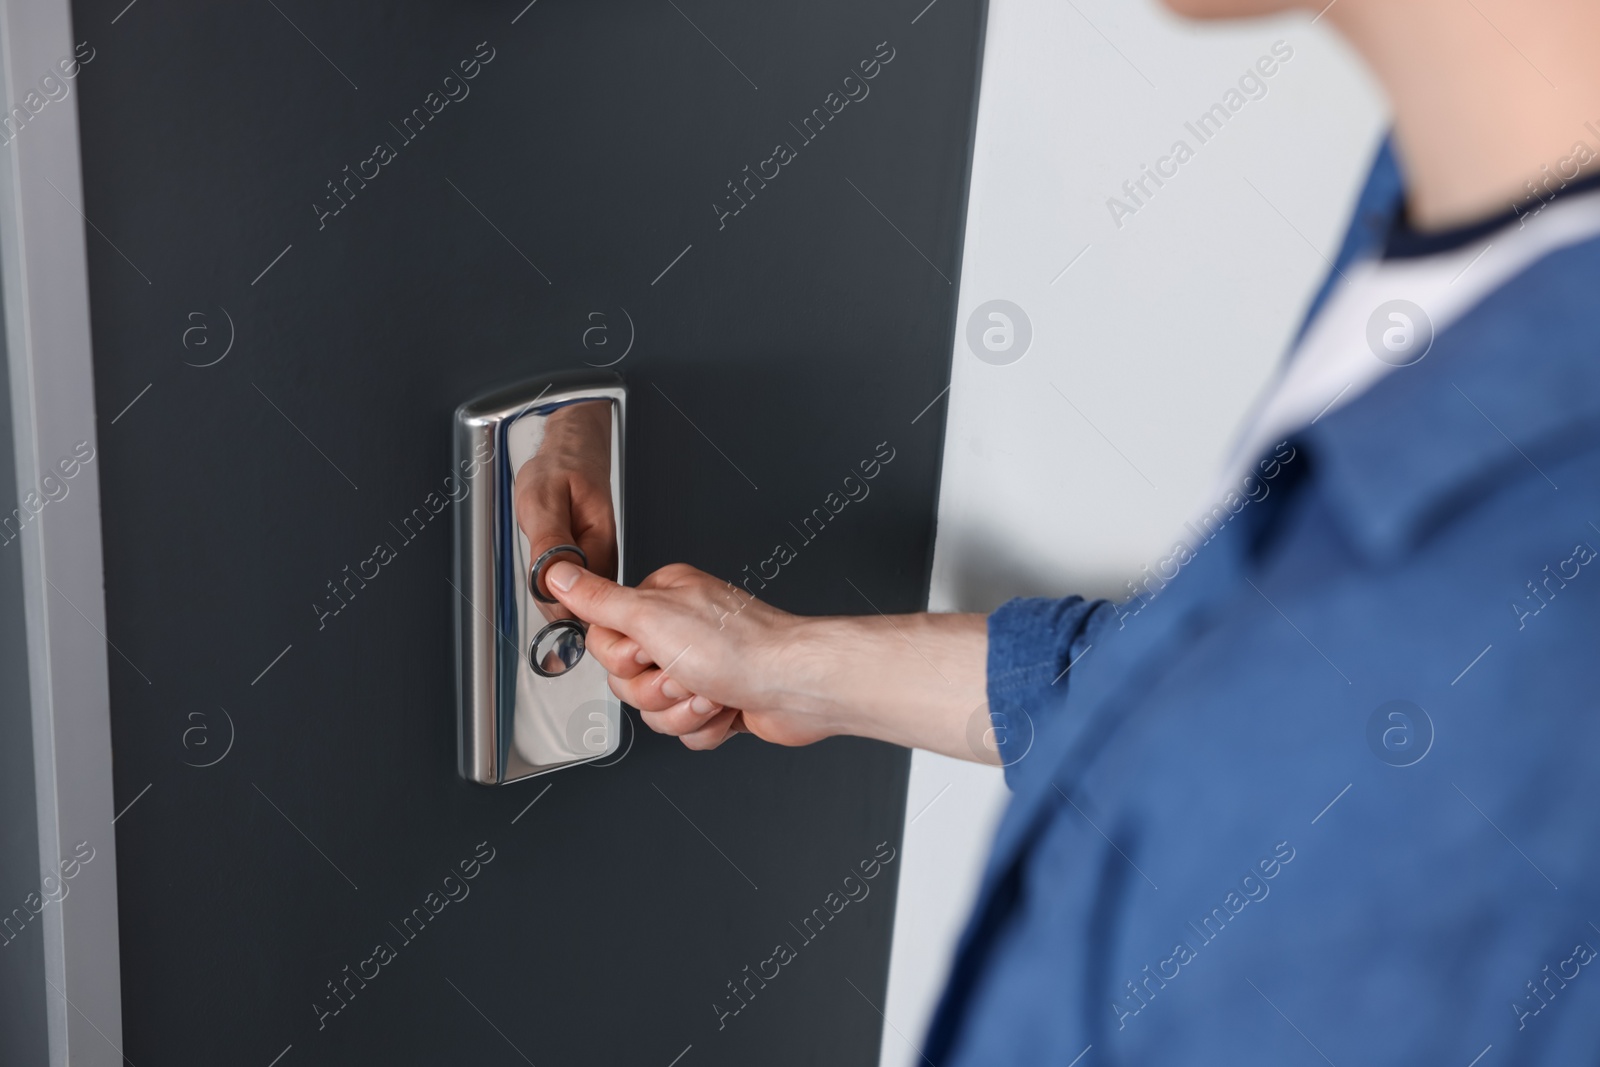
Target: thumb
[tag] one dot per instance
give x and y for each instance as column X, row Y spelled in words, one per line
column 590, row 597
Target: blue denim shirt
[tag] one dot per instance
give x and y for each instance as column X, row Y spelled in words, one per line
column 1329, row 795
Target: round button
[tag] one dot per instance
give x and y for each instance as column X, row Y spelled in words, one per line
column 536, row 572
column 557, row 648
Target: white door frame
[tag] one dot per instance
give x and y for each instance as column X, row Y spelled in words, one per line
column 44, row 279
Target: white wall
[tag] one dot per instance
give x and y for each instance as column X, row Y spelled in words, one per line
column 1073, row 467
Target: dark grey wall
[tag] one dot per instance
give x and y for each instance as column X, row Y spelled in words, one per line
column 23, row 1029
column 772, row 351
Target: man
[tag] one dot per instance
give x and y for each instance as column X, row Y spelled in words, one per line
column 1328, row 794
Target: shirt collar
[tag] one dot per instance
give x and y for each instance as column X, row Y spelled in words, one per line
column 1378, row 208
column 1503, row 393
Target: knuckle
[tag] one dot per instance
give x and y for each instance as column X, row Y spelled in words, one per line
column 641, row 695
column 624, row 690
column 704, row 740
column 671, row 574
column 669, row 722
column 610, row 650
column 595, row 594
column 601, row 600
column 621, row 667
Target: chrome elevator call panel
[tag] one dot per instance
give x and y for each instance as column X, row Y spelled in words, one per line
column 543, row 466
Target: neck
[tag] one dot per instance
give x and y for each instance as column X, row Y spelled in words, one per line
column 1488, row 96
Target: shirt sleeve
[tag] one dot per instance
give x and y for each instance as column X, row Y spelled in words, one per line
column 1032, row 642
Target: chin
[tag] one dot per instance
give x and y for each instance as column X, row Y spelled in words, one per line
column 1230, row 9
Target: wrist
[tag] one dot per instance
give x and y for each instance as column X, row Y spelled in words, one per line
column 912, row 680
column 807, row 672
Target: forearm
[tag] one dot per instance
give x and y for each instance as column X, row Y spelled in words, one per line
column 913, row 680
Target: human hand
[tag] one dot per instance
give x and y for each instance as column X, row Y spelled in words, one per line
column 699, row 657
column 702, row 659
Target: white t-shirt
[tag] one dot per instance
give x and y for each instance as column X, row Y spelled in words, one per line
column 1384, row 315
